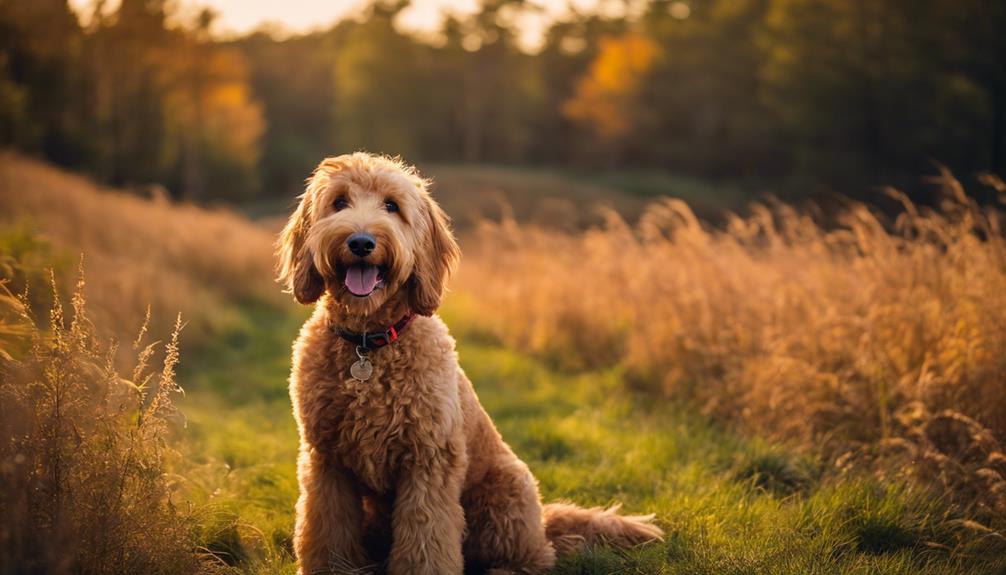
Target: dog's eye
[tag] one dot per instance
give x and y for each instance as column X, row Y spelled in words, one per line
column 391, row 206
column 340, row 204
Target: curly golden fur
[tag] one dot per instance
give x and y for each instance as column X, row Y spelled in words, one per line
column 404, row 472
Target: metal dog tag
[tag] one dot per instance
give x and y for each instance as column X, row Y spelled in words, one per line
column 362, row 369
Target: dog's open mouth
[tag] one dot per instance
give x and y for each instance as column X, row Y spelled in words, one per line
column 363, row 278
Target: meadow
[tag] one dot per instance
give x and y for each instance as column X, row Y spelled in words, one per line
column 788, row 395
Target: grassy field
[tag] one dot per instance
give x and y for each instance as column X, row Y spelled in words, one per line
column 140, row 252
column 722, row 416
column 728, row 504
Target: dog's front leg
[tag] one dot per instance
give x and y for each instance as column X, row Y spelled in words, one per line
column 428, row 522
column 327, row 535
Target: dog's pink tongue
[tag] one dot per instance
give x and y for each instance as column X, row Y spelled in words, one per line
column 361, row 279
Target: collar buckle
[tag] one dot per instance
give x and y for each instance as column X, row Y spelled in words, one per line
column 391, row 335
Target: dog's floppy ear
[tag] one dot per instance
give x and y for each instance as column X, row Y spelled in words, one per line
column 436, row 257
column 295, row 268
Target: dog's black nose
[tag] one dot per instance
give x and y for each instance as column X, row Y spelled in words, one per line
column 361, row 244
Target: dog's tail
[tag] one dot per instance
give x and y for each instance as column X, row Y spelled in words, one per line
column 571, row 528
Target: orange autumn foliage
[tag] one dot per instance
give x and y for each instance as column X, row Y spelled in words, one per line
column 604, row 98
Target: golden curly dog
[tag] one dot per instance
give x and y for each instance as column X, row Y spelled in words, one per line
column 400, row 468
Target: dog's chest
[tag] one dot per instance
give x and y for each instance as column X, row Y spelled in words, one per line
column 404, row 413
column 382, row 425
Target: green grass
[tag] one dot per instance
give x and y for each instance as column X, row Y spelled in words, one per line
column 239, row 448
column 728, row 504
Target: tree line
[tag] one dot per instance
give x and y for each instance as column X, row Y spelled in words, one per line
column 841, row 93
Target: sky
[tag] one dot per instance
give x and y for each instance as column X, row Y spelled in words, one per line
column 241, row 16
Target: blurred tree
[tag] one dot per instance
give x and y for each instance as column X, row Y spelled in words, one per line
column 299, row 106
column 569, row 48
column 131, row 132
column 212, row 114
column 970, row 40
column 705, row 113
column 177, row 107
column 379, row 88
column 44, row 88
column 871, row 88
column 839, row 92
column 607, row 98
column 500, row 90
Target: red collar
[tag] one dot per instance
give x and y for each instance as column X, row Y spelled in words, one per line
column 374, row 340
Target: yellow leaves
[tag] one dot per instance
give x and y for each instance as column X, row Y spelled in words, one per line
column 209, row 99
column 234, row 120
column 604, row 98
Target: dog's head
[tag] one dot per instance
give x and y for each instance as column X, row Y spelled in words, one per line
column 367, row 231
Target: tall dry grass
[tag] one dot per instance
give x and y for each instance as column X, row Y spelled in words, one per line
column 141, row 251
column 83, row 487
column 861, row 339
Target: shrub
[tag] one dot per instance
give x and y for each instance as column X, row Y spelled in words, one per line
column 82, row 449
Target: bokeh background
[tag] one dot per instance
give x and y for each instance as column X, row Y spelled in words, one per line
column 740, row 263
column 797, row 95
